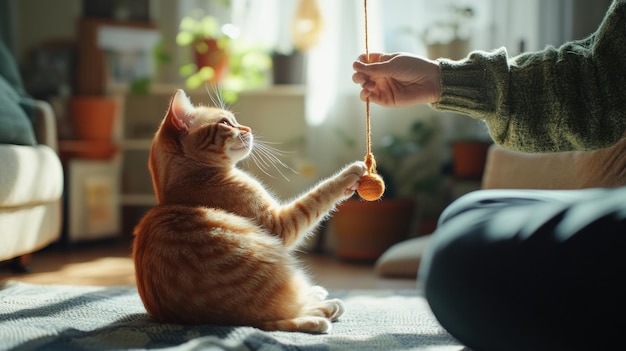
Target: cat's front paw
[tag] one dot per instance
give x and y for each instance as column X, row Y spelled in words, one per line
column 352, row 175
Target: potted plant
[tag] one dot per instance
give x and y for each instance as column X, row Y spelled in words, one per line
column 208, row 42
column 448, row 37
column 220, row 57
column 249, row 67
column 364, row 230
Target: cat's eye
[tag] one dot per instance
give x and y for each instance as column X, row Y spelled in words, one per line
column 226, row 122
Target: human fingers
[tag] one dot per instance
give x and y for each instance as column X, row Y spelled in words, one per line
column 363, row 71
column 359, row 78
column 365, row 94
column 364, row 81
column 375, row 57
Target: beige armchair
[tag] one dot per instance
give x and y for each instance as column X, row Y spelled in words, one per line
column 31, row 191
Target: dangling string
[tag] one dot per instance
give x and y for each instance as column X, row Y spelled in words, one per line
column 371, row 186
column 369, row 157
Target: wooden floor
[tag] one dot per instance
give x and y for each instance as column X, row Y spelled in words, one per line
column 109, row 263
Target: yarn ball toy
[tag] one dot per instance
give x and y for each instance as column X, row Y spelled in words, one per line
column 371, row 186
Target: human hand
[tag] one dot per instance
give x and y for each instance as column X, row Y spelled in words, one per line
column 396, row 80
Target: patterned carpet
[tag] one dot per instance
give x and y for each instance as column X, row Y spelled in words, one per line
column 51, row 317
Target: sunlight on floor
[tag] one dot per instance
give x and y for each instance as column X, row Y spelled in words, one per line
column 100, row 271
column 110, row 263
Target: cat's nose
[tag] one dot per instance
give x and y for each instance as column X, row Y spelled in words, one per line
column 245, row 129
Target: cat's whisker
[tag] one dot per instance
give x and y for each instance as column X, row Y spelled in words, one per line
column 215, row 95
column 211, row 95
column 244, row 142
column 265, row 157
column 271, row 152
column 267, row 146
column 264, row 166
column 273, row 164
column 275, row 150
column 263, row 161
column 261, row 164
column 271, row 143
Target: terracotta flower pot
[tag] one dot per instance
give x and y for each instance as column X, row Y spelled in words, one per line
column 364, row 230
column 208, row 53
column 469, row 158
column 93, row 117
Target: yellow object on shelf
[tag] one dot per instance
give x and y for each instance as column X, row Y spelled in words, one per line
column 307, row 24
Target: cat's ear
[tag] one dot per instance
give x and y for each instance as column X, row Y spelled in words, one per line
column 181, row 110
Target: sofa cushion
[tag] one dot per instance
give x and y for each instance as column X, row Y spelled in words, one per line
column 30, row 175
column 16, row 106
column 402, row 259
column 38, row 226
column 507, row 169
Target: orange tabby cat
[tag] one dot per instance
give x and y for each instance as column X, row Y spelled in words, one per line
column 217, row 248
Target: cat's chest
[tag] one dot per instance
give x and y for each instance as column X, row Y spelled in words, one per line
column 241, row 182
column 249, row 199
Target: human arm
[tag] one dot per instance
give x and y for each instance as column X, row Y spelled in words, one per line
column 567, row 98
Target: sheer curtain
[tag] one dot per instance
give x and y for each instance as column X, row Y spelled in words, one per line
column 334, row 112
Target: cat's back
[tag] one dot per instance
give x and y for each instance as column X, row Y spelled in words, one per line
column 194, row 264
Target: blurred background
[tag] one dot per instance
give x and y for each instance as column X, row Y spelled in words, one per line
column 284, row 68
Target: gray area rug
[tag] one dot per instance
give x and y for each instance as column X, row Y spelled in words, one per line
column 51, row 317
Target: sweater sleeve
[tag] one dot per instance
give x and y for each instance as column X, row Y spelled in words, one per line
column 567, row 98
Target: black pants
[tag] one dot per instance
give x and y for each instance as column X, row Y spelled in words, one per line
column 531, row 270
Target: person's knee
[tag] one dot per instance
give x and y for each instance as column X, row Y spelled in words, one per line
column 456, row 259
column 480, row 199
column 449, row 274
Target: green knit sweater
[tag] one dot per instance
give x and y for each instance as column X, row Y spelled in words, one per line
column 567, row 98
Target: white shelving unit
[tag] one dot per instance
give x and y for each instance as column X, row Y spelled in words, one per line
column 94, row 198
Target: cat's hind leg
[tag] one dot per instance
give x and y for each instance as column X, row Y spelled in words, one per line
column 331, row 309
column 318, row 293
column 315, row 318
column 305, row 324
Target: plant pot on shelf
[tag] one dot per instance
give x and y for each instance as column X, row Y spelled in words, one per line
column 364, row 230
column 288, row 68
column 454, row 50
column 93, row 118
column 209, row 53
column 469, row 158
